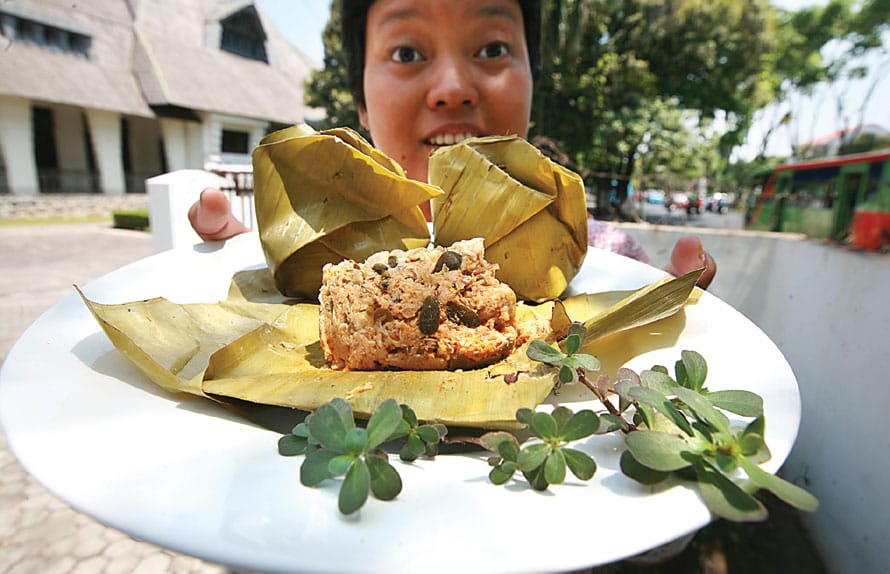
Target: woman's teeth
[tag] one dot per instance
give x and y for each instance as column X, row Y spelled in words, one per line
column 449, row 139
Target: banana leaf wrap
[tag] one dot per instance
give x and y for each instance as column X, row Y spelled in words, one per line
column 531, row 211
column 327, row 196
column 268, row 352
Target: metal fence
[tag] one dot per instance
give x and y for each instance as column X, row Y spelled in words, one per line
column 239, row 189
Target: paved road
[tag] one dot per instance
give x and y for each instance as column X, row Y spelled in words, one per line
column 38, row 532
column 660, row 215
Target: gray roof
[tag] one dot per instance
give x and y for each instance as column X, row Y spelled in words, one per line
column 155, row 53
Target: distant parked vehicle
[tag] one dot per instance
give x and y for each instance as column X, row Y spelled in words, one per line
column 655, row 196
column 676, row 200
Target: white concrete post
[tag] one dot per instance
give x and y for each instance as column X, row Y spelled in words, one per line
column 169, row 197
column 17, row 146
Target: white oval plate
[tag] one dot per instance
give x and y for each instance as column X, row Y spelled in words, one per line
column 190, row 475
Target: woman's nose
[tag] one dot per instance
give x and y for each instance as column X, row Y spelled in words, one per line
column 452, row 85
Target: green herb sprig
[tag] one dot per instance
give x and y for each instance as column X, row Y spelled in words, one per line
column 571, row 363
column 673, row 426
column 677, row 426
column 687, row 431
column 335, row 446
column 543, row 463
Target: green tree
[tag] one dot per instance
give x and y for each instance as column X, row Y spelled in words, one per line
column 614, row 72
column 328, row 87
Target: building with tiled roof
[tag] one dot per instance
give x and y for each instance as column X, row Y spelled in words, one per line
column 98, row 95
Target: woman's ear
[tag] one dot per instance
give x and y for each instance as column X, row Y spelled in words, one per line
column 363, row 117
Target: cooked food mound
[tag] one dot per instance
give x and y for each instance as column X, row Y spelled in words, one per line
column 423, row 309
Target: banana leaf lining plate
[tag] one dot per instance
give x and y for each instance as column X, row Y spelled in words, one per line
column 199, row 478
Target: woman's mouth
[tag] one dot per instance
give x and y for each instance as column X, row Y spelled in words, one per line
column 448, row 139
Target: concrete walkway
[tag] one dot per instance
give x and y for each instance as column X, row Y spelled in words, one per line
column 39, row 534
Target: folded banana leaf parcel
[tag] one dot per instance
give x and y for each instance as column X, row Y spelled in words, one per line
column 329, row 196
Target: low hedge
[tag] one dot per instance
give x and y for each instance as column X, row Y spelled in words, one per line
column 133, row 219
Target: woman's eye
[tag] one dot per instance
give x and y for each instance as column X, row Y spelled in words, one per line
column 404, row 55
column 494, row 50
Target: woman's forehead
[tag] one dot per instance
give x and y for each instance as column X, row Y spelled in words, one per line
column 393, row 12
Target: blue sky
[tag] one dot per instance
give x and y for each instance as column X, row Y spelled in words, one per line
column 302, row 22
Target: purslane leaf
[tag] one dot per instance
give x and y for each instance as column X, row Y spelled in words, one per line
column 703, row 408
column 344, row 410
column 555, row 467
column 658, row 450
column 316, row 467
column 573, row 343
column 356, row 440
column 784, row 490
column 580, row 463
column 725, row 498
column 657, row 400
column 657, row 381
column 744, row 403
column 290, row 445
column 428, row 433
column 542, row 352
column 327, row 426
column 355, row 488
column 582, row 424
column 632, row 468
column 383, row 423
column 543, row 425
column 412, row 449
column 340, row 464
column 386, row 483
column 532, row 456
column 502, row 473
column 588, row 362
column 492, row 440
column 696, row 369
column 561, row 415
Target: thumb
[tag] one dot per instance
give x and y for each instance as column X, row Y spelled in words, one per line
column 211, row 217
column 689, row 255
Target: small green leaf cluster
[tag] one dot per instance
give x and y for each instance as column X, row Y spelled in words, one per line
column 422, row 439
column 543, row 462
column 571, row 364
column 335, row 446
column 687, row 431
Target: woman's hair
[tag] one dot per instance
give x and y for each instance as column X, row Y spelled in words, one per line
column 354, row 19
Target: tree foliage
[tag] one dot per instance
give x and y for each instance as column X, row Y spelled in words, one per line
column 618, row 76
column 823, row 46
column 328, row 87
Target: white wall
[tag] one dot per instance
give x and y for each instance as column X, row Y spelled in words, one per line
column 827, row 308
column 183, row 144
column 17, row 146
column 105, row 132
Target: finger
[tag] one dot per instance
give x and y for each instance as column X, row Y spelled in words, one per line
column 689, row 255
column 211, row 217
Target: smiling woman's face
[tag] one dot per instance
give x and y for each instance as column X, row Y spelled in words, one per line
column 437, row 71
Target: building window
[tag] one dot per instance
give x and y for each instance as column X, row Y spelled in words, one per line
column 234, row 141
column 243, row 35
column 18, row 29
